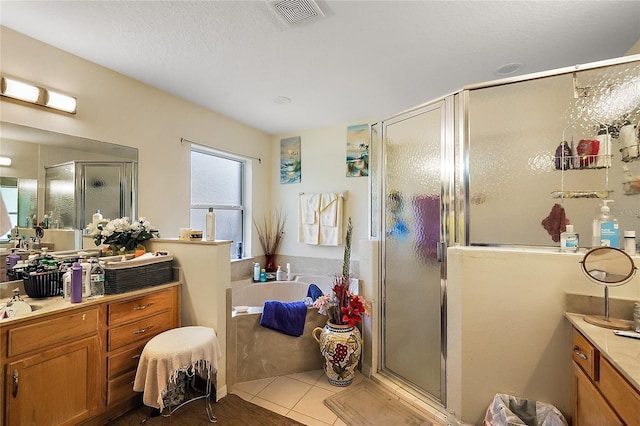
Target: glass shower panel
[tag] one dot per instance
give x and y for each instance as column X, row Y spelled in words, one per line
column 514, row 132
column 102, row 191
column 59, row 198
column 412, row 272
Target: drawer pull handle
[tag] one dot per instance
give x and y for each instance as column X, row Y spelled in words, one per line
column 143, row 330
column 576, row 350
column 15, row 383
column 140, row 308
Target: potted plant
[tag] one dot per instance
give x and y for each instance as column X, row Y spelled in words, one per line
column 270, row 234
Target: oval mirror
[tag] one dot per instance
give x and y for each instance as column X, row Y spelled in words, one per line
column 608, row 266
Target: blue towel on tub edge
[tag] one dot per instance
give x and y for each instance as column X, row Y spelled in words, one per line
column 286, row 317
column 314, row 292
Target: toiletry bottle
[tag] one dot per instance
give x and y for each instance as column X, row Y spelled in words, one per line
column 279, row 274
column 66, row 284
column 575, row 158
column 97, row 217
column 636, row 318
column 263, row 276
column 76, row 283
column 630, row 243
column 210, row 234
column 97, row 279
column 86, row 277
column 604, row 155
column 608, row 227
column 289, row 276
column 239, row 250
column 256, row 272
column 46, row 221
column 569, row 240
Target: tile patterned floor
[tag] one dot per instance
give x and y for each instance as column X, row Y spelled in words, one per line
column 298, row 396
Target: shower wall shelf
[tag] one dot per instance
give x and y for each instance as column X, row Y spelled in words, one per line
column 602, row 194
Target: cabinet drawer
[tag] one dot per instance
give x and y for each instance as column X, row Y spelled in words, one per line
column 124, row 361
column 140, row 307
column 121, row 388
column 139, row 331
column 39, row 335
column 620, row 394
column 585, row 355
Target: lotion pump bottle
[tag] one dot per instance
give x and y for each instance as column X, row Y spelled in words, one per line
column 279, row 274
column 609, row 230
column 210, row 233
column 569, row 240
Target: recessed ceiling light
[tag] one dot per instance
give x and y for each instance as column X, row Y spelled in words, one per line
column 508, row 69
column 282, row 100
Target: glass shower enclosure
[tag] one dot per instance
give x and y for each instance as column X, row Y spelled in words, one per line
column 74, row 191
column 412, row 193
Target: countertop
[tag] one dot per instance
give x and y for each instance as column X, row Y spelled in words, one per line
column 51, row 305
column 622, row 352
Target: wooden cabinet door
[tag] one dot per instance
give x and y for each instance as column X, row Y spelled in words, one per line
column 591, row 409
column 56, row 387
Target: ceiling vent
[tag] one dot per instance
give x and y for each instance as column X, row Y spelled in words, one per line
column 295, row 11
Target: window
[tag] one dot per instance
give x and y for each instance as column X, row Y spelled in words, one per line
column 217, row 180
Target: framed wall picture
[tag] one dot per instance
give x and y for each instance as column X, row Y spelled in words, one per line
column 290, row 167
column 358, row 150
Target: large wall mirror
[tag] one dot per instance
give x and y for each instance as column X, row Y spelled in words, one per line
column 515, row 175
column 65, row 177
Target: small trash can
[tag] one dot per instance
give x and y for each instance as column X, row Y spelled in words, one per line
column 508, row 410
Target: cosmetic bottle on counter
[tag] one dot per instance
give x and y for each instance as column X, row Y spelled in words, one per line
column 279, row 274
column 263, row 276
column 76, row 283
column 289, row 276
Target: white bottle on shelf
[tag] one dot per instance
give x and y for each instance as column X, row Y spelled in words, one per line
column 210, row 233
column 97, row 217
column 569, row 240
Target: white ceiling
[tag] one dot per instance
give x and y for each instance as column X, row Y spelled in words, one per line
column 362, row 60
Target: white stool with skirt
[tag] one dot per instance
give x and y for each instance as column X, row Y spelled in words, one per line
column 184, row 351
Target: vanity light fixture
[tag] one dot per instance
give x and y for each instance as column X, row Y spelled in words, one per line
column 5, row 161
column 27, row 92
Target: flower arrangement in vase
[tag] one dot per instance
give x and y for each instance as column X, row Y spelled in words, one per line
column 340, row 340
column 120, row 235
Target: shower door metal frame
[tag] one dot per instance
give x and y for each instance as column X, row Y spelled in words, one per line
column 447, row 225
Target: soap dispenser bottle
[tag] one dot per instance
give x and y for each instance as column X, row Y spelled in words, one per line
column 608, row 229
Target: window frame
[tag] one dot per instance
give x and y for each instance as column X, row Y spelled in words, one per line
column 243, row 207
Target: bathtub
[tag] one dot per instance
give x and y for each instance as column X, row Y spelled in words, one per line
column 255, row 352
column 248, row 293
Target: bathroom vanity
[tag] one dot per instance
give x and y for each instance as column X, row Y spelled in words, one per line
column 606, row 376
column 68, row 364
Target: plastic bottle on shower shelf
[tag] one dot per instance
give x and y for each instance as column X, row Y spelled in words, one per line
column 289, row 276
column 279, row 274
column 263, row 276
column 210, row 233
column 569, row 240
column 608, row 230
column 256, row 272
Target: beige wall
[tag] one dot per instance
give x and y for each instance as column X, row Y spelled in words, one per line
column 114, row 108
column 323, row 155
column 506, row 327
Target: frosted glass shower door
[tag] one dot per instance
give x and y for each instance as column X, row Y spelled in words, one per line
column 412, row 329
